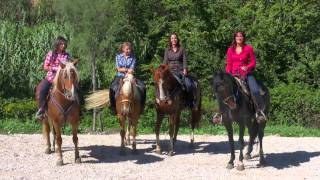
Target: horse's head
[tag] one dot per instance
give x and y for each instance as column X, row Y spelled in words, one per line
column 66, row 80
column 164, row 81
column 127, row 94
column 225, row 88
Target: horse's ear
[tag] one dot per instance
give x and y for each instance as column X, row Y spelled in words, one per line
column 75, row 62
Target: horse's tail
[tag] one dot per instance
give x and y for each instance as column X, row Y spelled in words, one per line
column 97, row 99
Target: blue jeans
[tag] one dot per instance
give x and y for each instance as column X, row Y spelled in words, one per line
column 254, row 89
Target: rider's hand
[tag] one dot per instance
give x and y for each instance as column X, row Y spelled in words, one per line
column 185, row 72
column 244, row 68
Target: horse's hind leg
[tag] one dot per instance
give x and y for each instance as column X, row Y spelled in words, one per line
column 253, row 132
column 229, row 129
column 75, row 142
column 240, row 166
column 176, row 129
column 157, row 130
column 262, row 161
column 194, row 122
column 46, row 135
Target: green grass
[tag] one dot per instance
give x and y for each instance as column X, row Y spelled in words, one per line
column 12, row 126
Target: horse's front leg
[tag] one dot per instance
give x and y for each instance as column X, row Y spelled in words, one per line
column 46, row 135
column 57, row 128
column 157, row 131
column 229, row 129
column 262, row 161
column 172, row 127
column 127, row 139
column 122, row 134
column 240, row 166
column 75, row 142
column 134, row 134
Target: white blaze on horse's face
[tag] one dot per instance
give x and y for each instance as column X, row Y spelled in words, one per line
column 161, row 91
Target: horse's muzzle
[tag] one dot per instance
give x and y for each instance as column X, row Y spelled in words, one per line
column 164, row 102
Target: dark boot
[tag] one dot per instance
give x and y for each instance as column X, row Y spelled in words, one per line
column 112, row 101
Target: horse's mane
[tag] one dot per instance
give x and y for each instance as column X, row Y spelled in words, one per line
column 67, row 69
column 127, row 86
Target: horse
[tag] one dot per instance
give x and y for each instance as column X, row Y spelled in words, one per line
column 62, row 106
column 171, row 100
column 236, row 106
column 128, row 108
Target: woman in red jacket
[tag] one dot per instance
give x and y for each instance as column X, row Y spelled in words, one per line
column 241, row 62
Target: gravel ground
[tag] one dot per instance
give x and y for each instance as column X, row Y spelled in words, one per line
column 22, row 157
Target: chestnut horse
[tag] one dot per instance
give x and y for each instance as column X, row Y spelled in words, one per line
column 128, row 107
column 171, row 100
column 62, row 106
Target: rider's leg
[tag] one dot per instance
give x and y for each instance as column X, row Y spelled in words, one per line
column 257, row 98
column 44, row 89
column 112, row 93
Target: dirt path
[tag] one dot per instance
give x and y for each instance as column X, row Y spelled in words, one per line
column 22, row 157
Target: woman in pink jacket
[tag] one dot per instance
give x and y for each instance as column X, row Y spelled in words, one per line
column 241, row 62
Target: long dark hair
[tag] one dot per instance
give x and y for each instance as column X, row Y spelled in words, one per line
column 60, row 40
column 234, row 43
column 178, row 42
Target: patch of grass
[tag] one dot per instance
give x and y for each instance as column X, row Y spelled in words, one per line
column 11, row 126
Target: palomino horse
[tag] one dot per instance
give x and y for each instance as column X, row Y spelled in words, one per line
column 171, row 100
column 63, row 105
column 128, row 107
column 235, row 106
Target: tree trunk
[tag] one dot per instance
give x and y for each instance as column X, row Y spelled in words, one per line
column 94, row 87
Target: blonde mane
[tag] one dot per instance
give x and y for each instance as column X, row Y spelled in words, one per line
column 126, row 88
column 68, row 67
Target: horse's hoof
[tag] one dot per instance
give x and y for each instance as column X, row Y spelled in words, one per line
column 158, row 151
column 78, row 160
column 170, row 153
column 59, row 163
column 247, row 156
column 230, row 166
column 240, row 167
column 122, row 152
column 47, row 151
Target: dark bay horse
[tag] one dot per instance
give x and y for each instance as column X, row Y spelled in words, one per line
column 128, row 107
column 171, row 100
column 235, row 106
column 62, row 106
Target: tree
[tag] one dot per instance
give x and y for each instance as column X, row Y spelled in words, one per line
column 94, row 25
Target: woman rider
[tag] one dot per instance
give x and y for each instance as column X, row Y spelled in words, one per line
column 175, row 56
column 51, row 64
column 241, row 62
column 125, row 64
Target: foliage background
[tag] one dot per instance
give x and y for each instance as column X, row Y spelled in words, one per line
column 284, row 33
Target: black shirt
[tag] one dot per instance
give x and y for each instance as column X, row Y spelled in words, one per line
column 177, row 61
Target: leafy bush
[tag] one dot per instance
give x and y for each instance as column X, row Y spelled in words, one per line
column 15, row 108
column 295, row 104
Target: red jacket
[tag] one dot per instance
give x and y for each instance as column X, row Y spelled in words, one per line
column 236, row 61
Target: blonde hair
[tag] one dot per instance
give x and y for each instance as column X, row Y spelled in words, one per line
column 68, row 67
column 126, row 44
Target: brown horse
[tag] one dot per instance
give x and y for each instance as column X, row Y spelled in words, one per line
column 128, row 107
column 171, row 100
column 62, row 106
